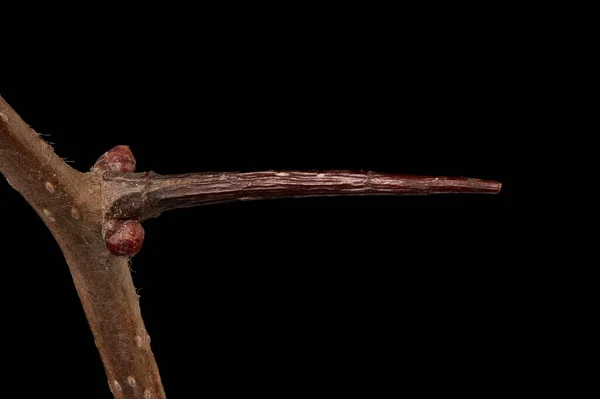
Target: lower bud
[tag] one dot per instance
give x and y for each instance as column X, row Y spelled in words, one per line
column 124, row 237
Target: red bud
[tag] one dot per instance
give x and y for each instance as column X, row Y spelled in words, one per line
column 118, row 159
column 124, row 237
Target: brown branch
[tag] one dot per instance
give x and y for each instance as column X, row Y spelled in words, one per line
column 67, row 201
column 152, row 194
column 80, row 210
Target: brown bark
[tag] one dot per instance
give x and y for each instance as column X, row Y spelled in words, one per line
column 77, row 207
column 66, row 200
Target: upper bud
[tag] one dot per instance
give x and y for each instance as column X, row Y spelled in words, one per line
column 118, row 159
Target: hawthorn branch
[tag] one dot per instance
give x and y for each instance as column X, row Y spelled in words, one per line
column 88, row 211
column 67, row 202
column 150, row 193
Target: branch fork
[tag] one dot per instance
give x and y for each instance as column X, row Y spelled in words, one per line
column 96, row 219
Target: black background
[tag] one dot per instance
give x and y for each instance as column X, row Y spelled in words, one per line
column 282, row 296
